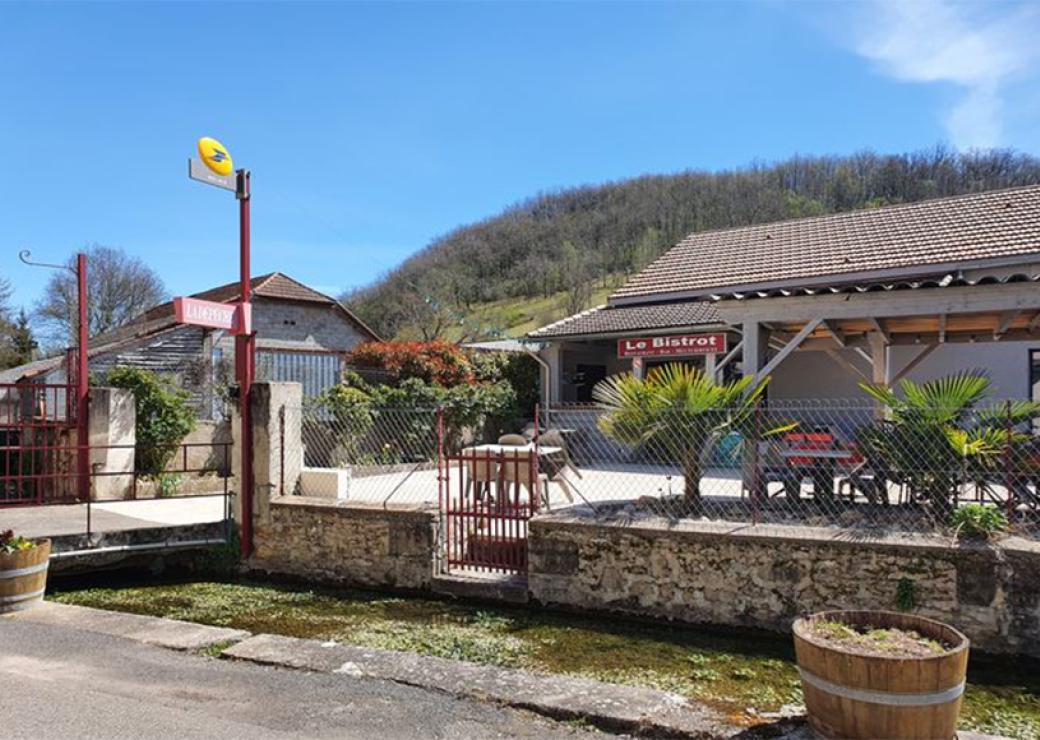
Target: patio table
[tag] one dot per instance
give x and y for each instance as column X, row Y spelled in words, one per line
column 821, row 470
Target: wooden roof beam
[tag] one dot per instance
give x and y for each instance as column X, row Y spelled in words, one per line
column 835, row 332
column 1004, row 323
column 879, row 327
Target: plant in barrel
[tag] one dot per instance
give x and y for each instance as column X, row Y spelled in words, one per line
column 678, row 412
column 23, row 571
column 934, row 437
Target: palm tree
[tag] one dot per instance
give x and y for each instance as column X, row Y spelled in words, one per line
column 934, row 436
column 678, row 411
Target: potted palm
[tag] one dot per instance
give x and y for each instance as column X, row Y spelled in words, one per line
column 936, row 436
column 23, row 571
column 677, row 412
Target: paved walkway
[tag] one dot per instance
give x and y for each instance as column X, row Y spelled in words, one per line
column 112, row 516
column 58, row 681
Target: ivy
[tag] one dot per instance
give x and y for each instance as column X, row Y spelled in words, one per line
column 163, row 413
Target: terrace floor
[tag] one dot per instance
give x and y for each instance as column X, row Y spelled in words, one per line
column 113, row 516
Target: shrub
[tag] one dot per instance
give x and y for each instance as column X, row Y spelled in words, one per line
column 519, row 370
column 11, row 542
column 440, row 363
column 164, row 416
column 978, row 521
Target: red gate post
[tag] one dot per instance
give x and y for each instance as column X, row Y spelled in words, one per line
column 82, row 393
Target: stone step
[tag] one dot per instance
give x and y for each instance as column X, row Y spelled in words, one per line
column 511, row 588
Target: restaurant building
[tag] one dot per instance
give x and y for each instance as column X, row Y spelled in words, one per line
column 823, row 304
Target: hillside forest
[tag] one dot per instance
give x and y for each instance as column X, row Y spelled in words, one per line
column 560, row 252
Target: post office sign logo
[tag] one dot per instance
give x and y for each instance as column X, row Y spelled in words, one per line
column 677, row 345
column 215, row 156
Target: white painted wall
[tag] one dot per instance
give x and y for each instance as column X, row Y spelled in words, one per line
column 814, row 375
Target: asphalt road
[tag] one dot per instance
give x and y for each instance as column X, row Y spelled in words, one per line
column 60, row 682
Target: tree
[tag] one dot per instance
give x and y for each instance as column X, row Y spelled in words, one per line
column 119, row 288
column 679, row 412
column 21, row 344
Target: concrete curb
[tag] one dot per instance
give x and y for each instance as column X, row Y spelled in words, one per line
column 607, row 706
column 166, row 633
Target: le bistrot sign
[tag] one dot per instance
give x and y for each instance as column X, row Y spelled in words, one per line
column 674, row 346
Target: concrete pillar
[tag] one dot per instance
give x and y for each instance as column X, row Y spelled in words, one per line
column 755, row 346
column 269, row 435
column 112, row 431
column 709, row 366
column 754, row 359
column 553, row 355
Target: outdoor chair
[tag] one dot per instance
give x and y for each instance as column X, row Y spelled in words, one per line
column 520, row 469
column 482, row 469
column 555, row 438
column 513, row 440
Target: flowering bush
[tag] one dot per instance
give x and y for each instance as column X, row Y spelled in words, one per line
column 440, row 363
column 10, row 542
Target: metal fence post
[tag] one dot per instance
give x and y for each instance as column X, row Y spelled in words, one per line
column 756, row 477
column 1009, row 476
column 281, row 451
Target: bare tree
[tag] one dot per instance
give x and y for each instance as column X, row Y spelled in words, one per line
column 119, row 288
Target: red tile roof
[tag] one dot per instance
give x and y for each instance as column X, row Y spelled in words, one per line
column 622, row 319
column 902, row 241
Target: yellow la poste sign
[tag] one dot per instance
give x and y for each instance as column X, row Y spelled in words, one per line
column 215, row 156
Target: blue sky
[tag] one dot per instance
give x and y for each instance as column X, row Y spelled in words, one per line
column 372, row 128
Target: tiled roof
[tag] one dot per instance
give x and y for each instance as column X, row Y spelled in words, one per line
column 157, row 319
column 895, row 241
column 274, row 285
column 617, row 319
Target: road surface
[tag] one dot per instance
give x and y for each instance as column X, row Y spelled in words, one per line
column 61, row 682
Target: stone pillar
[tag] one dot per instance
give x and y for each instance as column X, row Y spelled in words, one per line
column 112, row 432
column 268, row 402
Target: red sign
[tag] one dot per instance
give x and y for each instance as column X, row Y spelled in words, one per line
column 673, row 346
column 228, row 316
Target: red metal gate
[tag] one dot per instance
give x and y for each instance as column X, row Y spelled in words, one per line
column 39, row 448
column 487, row 494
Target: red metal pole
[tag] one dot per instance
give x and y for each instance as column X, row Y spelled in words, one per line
column 83, row 443
column 244, row 348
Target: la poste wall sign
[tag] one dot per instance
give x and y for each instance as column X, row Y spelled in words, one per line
column 233, row 317
column 677, row 345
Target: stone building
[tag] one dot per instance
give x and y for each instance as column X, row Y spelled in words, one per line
column 302, row 335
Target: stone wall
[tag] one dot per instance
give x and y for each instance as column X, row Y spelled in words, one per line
column 708, row 572
column 326, row 542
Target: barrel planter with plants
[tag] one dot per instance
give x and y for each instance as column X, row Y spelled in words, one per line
column 879, row 674
column 23, row 571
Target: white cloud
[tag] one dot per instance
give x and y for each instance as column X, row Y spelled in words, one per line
column 979, row 48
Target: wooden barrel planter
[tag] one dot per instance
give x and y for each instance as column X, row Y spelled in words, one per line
column 849, row 694
column 23, row 577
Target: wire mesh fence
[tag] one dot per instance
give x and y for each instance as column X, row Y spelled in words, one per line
column 841, row 464
column 844, row 464
column 364, row 454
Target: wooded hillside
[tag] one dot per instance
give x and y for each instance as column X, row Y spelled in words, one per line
column 563, row 247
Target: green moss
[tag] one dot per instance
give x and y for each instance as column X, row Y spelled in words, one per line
column 732, row 673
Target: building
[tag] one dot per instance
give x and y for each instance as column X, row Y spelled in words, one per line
column 822, row 304
column 302, row 335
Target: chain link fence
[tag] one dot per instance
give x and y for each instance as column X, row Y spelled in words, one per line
column 839, row 464
column 364, row 455
column 842, row 464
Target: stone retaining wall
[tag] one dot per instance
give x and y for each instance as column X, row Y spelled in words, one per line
column 322, row 541
column 708, row 572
